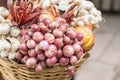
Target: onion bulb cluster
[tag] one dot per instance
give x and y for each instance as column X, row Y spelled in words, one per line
column 49, row 42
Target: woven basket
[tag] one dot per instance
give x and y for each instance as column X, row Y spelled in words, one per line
column 13, row 71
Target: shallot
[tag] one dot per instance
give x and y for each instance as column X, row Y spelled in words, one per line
column 31, row 62
column 68, row 50
column 38, row 36
column 41, row 57
column 23, row 46
column 31, row 44
column 18, row 56
column 59, row 42
column 73, row 60
column 38, row 68
column 32, row 53
column 43, row 45
column 58, row 33
column 49, row 37
column 35, row 27
column 63, row 61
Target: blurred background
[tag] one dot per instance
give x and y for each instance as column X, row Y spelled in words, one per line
column 104, row 62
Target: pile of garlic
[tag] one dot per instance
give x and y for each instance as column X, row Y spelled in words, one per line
column 9, row 36
column 85, row 14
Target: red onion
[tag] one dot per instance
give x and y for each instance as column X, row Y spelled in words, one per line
column 32, row 53
column 59, row 54
column 18, row 56
column 23, row 52
column 23, row 46
column 41, row 57
column 68, row 51
column 43, row 27
column 51, row 61
column 31, row 44
column 53, row 48
column 37, row 49
column 25, row 38
column 43, row 45
column 60, row 20
column 38, row 36
column 66, row 39
column 24, row 60
column 38, row 68
column 64, row 61
column 58, row 33
column 71, row 73
column 63, row 28
column 49, row 53
column 53, row 25
column 30, row 33
column 59, row 42
column 49, row 37
column 73, row 60
column 79, row 55
column 80, row 36
column 81, row 42
column 24, row 32
column 35, row 27
column 42, row 63
column 71, row 33
column 31, row 62
column 76, row 47
column 46, row 21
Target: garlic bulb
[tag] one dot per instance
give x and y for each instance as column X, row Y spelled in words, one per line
column 15, row 43
column 54, row 1
column 11, row 55
column 4, row 28
column 4, row 45
column 4, row 12
column 4, row 54
column 15, row 32
column 8, row 21
column 63, row 5
column 2, row 19
column 45, row 3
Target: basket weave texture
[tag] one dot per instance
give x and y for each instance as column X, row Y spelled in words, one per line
column 13, row 71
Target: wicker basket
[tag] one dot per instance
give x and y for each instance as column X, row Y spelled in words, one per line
column 13, row 71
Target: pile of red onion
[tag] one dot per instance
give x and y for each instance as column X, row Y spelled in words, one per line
column 49, row 42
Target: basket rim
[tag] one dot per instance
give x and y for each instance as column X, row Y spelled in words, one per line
column 17, row 65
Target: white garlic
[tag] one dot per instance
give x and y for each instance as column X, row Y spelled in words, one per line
column 4, row 12
column 8, row 21
column 15, row 43
column 80, row 23
column 11, row 55
column 63, row 5
column 46, row 3
column 4, row 54
column 2, row 19
column 4, row 45
column 83, row 12
column 54, row 1
column 87, row 5
column 4, row 28
column 15, row 32
column 94, row 11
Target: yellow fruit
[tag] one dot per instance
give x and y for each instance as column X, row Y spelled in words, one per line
column 88, row 37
